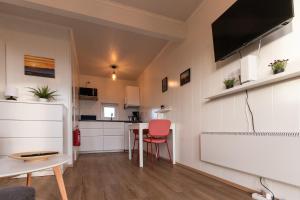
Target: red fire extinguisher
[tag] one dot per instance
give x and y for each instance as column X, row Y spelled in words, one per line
column 76, row 137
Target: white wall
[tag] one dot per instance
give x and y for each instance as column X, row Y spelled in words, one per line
column 40, row 39
column 109, row 91
column 275, row 107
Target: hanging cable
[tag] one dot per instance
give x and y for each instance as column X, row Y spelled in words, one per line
column 273, row 196
column 251, row 113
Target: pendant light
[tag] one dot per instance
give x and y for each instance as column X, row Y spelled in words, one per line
column 114, row 75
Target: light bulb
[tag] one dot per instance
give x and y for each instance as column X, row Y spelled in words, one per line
column 114, row 76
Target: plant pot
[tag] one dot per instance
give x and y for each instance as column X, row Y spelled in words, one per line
column 43, row 100
column 277, row 71
column 229, row 86
column 278, row 66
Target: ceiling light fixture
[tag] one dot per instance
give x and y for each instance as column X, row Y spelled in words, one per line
column 114, row 75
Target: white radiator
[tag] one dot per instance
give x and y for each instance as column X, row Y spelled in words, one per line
column 267, row 154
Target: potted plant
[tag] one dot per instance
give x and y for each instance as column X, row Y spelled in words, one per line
column 44, row 93
column 278, row 66
column 229, row 83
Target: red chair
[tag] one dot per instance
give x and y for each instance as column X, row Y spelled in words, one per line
column 136, row 138
column 159, row 131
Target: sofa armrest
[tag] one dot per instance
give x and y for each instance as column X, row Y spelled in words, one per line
column 17, row 193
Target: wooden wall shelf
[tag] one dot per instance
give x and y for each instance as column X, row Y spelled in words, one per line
column 255, row 84
column 165, row 110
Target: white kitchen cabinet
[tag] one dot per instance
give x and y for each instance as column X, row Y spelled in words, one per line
column 117, row 131
column 91, row 124
column 113, row 143
column 91, row 132
column 113, row 125
column 132, row 96
column 98, row 136
column 91, row 143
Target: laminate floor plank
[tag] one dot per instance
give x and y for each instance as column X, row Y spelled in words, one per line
column 111, row 176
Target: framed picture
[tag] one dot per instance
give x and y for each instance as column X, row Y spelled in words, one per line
column 164, row 84
column 185, row 77
column 39, row 66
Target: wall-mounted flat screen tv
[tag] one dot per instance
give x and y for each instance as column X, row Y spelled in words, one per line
column 247, row 21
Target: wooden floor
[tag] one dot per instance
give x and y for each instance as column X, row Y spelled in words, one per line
column 111, row 176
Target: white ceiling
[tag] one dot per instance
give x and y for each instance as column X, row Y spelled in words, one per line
column 100, row 46
column 176, row 9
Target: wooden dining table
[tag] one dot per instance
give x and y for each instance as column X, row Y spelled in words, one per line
column 140, row 127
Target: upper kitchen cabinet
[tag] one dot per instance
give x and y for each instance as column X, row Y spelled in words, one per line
column 132, row 96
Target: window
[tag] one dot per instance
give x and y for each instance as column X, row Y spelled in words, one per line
column 109, row 111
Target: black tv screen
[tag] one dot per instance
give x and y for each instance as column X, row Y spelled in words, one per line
column 247, row 21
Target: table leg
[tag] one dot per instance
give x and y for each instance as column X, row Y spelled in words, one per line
column 129, row 144
column 60, row 182
column 29, row 179
column 174, row 144
column 141, row 145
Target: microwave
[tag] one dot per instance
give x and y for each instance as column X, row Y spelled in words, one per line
column 88, row 93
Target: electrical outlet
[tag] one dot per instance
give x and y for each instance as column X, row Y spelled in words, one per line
column 258, row 197
column 269, row 196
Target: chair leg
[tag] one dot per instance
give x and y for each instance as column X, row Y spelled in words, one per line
column 151, row 152
column 158, row 156
column 147, row 149
column 169, row 152
column 156, row 151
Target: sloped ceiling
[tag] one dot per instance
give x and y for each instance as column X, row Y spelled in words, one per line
column 176, row 9
column 99, row 46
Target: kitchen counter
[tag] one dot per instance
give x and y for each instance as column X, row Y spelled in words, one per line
column 101, row 120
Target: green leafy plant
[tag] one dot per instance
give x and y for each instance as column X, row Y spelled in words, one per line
column 278, row 66
column 229, row 83
column 44, row 92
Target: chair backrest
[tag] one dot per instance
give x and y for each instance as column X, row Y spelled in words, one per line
column 159, row 127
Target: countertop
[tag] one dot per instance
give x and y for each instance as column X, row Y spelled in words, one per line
column 125, row 121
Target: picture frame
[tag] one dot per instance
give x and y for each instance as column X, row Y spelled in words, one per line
column 39, row 66
column 164, row 85
column 185, row 77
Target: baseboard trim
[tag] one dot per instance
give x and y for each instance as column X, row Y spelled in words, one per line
column 237, row 186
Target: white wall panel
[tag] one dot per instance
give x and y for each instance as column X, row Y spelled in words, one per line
column 275, row 108
column 286, row 106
